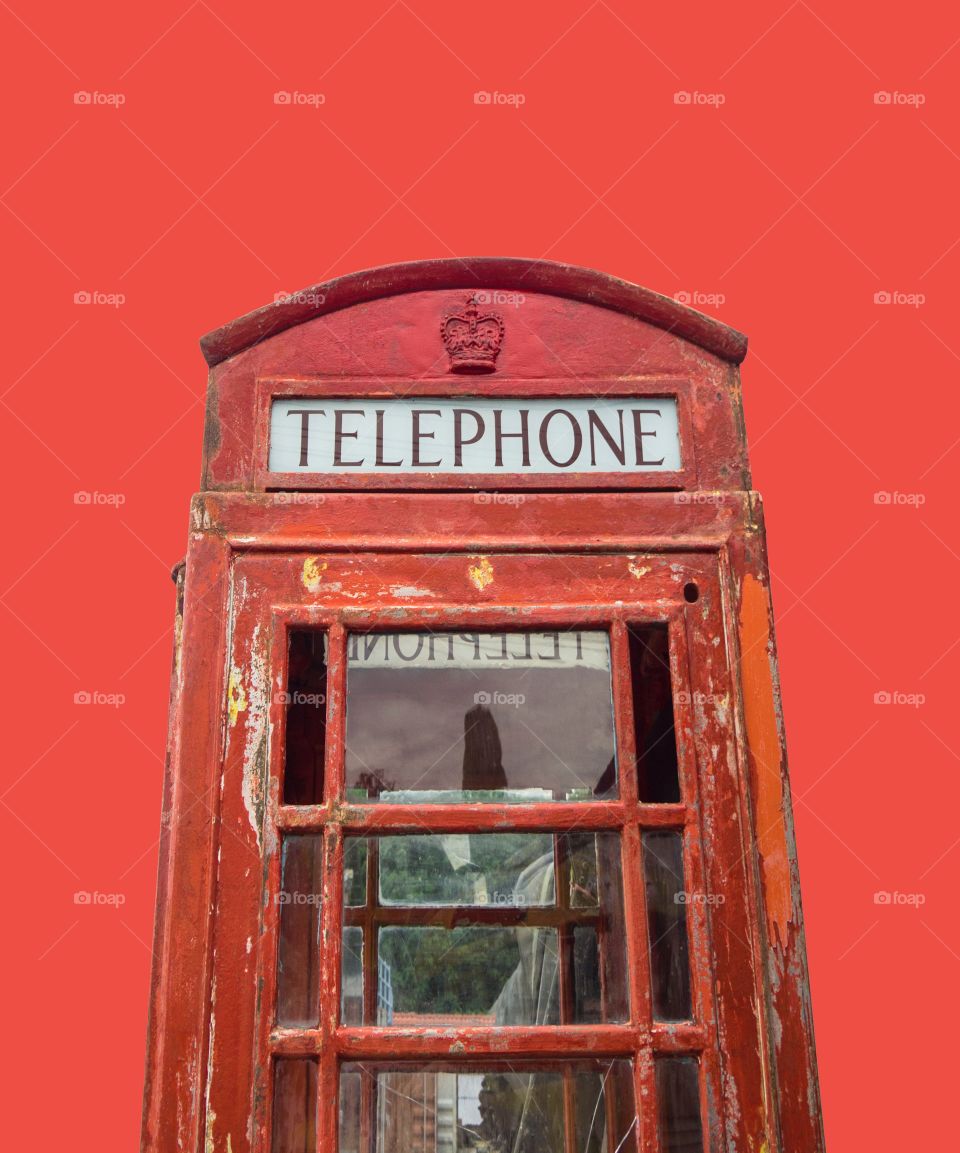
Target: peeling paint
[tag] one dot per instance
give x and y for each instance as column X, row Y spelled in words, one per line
column 410, row 591
column 637, row 570
column 254, row 749
column 763, row 738
column 480, row 574
column 312, row 574
column 236, row 697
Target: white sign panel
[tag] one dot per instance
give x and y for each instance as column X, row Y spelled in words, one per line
column 510, row 436
column 479, row 651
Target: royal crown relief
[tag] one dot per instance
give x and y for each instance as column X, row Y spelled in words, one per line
column 474, row 435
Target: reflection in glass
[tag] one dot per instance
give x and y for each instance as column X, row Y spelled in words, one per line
column 678, row 1097
column 298, row 947
column 294, row 1105
column 490, row 1109
column 480, row 717
column 658, row 781
column 306, row 718
column 488, row 929
column 667, row 925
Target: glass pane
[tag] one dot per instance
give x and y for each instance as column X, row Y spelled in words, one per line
column 487, row 1109
column 306, row 701
column 667, row 925
column 468, row 929
column 479, row 717
column 355, row 871
column 657, row 778
column 294, row 1105
column 678, row 1096
column 298, row 951
column 351, row 976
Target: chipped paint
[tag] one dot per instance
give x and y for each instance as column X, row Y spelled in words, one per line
column 410, row 591
column 236, row 697
column 312, row 575
column 636, row 569
column 254, row 749
column 480, row 574
column 763, row 739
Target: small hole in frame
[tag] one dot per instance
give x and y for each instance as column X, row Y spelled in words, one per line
column 691, row 594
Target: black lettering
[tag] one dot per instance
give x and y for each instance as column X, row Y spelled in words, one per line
column 339, row 436
column 639, row 434
column 577, row 438
column 500, row 436
column 305, row 414
column 418, row 436
column 597, row 425
column 380, row 461
column 458, row 441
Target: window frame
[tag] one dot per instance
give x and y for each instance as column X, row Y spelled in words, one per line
column 640, row 1039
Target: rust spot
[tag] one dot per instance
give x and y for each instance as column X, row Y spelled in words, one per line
column 763, row 739
column 312, row 573
column 481, row 573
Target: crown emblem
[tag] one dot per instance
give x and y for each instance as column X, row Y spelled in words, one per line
column 472, row 338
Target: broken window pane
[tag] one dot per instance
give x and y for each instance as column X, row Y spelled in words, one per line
column 509, row 716
column 496, row 1109
column 489, row 929
column 667, row 925
column 658, row 781
column 306, row 703
column 678, row 1108
column 294, row 1105
column 298, row 950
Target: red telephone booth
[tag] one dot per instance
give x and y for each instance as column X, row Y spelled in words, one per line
column 477, row 831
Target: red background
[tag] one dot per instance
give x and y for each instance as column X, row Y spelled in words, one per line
column 792, row 203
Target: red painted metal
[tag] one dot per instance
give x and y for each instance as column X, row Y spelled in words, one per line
column 269, row 553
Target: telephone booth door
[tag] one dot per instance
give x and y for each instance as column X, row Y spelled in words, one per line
column 467, row 849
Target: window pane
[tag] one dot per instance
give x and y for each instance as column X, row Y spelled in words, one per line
column 469, row 930
column 351, row 976
column 306, row 701
column 480, row 717
column 678, row 1096
column 294, row 1105
column 298, row 952
column 667, row 925
column 494, row 1110
column 657, row 778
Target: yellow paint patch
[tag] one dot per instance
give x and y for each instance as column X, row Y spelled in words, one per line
column 312, row 573
column 236, row 697
column 763, row 739
column 481, row 573
column 636, row 569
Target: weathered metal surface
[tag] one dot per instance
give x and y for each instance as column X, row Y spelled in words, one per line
column 261, row 562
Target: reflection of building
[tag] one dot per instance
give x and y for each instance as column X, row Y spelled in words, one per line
column 429, row 1112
